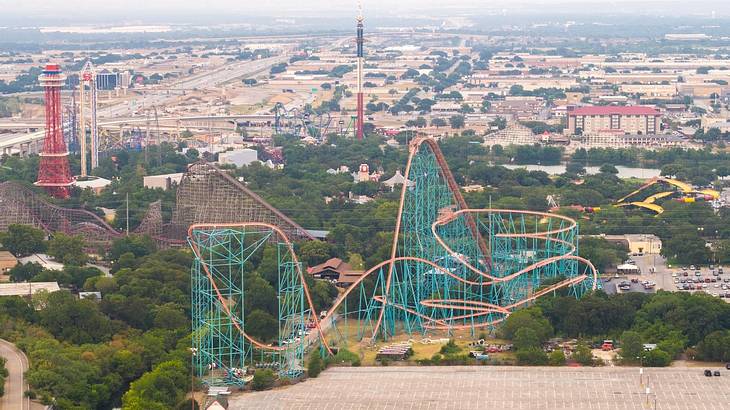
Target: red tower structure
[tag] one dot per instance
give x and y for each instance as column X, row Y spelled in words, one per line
column 54, row 173
column 360, row 67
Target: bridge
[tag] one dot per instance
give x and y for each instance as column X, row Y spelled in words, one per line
column 31, row 142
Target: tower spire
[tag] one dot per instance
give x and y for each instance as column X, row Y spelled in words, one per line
column 360, row 67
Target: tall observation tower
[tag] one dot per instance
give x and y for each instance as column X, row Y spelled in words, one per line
column 53, row 171
column 360, row 68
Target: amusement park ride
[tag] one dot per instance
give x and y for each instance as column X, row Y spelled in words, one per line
column 684, row 193
column 451, row 269
column 87, row 106
column 54, row 173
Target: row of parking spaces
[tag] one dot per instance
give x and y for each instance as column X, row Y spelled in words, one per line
column 513, row 387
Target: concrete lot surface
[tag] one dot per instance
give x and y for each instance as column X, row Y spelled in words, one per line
column 485, row 387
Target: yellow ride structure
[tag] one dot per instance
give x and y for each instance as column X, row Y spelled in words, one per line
column 688, row 192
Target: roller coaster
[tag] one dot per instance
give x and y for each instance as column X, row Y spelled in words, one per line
column 684, row 192
column 451, row 268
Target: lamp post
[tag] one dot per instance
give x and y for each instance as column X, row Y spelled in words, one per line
column 641, row 369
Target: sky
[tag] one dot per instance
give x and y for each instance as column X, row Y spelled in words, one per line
column 65, row 10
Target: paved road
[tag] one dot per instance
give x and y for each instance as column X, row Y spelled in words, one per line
column 491, row 387
column 15, row 384
column 205, row 80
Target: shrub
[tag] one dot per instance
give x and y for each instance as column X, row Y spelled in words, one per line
column 657, row 358
column 450, row 348
column 532, row 357
column 315, row 365
column 556, row 358
column 583, row 355
column 345, row 356
column 263, row 379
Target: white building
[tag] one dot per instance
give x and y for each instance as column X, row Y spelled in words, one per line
column 29, row 288
column 239, row 158
column 96, row 184
column 42, row 259
column 397, row 179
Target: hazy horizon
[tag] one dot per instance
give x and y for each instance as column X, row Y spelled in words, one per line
column 49, row 12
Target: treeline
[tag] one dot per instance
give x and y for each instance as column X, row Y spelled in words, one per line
column 697, row 325
column 85, row 353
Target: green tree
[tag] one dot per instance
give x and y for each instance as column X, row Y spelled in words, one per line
column 77, row 275
column 170, row 316
column 438, row 122
column 575, row 168
column 74, row 320
column 608, row 169
column 263, row 379
column 631, row 346
column 466, row 109
column 315, row 365
column 531, row 318
column 160, row 389
column 457, row 121
column 532, row 357
column 261, row 325
column 24, row 272
column 499, row 122
column 583, row 354
column 526, row 338
column 68, row 249
column 23, row 240
column 138, row 245
column 715, row 346
column 657, row 358
column 315, row 252
column 556, row 358
column 17, row 307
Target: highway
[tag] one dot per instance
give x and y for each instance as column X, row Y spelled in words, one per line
column 205, row 80
column 202, row 81
column 15, row 386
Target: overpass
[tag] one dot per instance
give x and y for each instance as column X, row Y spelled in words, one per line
column 32, row 142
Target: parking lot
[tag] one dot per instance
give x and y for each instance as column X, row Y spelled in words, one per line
column 488, row 387
column 668, row 277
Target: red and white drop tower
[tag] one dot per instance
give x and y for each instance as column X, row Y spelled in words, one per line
column 54, row 173
column 360, row 68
